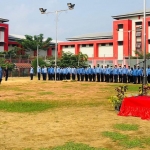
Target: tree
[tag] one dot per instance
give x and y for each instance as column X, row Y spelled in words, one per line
column 4, row 63
column 140, row 55
column 30, row 42
column 68, row 59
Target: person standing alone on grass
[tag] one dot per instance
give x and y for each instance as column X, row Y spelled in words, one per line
column 31, row 73
column 1, row 74
column 6, row 73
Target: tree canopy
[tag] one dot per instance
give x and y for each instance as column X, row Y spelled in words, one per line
column 69, row 59
column 30, row 42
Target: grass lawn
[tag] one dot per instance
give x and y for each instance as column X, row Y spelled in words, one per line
column 44, row 115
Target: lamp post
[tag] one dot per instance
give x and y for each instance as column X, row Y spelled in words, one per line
column 37, row 55
column 144, row 78
column 43, row 11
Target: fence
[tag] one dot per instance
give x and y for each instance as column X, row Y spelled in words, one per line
column 127, row 62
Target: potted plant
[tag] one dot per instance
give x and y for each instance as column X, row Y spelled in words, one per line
column 118, row 98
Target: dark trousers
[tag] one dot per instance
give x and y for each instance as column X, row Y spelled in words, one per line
column 134, row 79
column 6, row 77
column 90, row 77
column 102, row 77
column 124, row 78
column 94, row 77
column 107, row 77
column 111, row 77
column 139, row 79
column 68, row 76
column 39, row 76
column 86, row 77
column 98, row 77
column 64, row 76
column 57, row 76
column 44, row 76
column 73, row 76
column 120, row 78
column 129, row 78
column 31, row 76
column 148, row 78
column 78, row 77
column 0, row 81
column 115, row 78
column 61, row 76
column 82, row 77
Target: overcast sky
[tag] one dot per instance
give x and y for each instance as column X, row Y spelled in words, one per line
column 89, row 16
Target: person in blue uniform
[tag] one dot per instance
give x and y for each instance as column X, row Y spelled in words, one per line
column 82, row 73
column 86, row 74
column 139, row 74
column 78, row 74
column 111, row 74
column 120, row 74
column 98, row 72
column 129, row 74
column 57, row 73
column 49, row 73
column 45, row 72
column 90, row 73
column 31, row 73
column 134, row 73
column 61, row 73
column 131, row 77
column 148, row 73
column 124, row 74
column 39, row 72
column 64, row 73
column 107, row 73
column 1, row 74
column 73, row 72
column 102, row 74
column 94, row 74
column 115, row 74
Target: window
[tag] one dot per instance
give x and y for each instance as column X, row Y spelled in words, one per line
column 138, row 28
column 148, row 23
column 83, row 45
column 138, row 34
column 66, row 46
column 103, row 44
column 138, row 45
column 72, row 45
column 120, row 42
column 90, row 45
column 1, row 44
column 110, row 44
column 120, row 26
column 138, row 23
column 148, row 41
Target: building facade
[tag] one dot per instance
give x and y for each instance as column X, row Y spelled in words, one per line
column 126, row 37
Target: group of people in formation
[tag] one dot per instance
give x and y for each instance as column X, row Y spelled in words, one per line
column 125, row 74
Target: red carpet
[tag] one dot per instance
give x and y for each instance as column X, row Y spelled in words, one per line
column 138, row 106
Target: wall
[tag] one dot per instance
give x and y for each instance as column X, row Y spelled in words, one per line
column 105, row 51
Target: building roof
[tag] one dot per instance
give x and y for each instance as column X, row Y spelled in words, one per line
column 94, row 36
column 132, row 14
column 3, row 20
column 23, row 65
column 14, row 37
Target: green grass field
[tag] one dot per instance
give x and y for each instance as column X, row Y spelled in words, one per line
column 47, row 115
